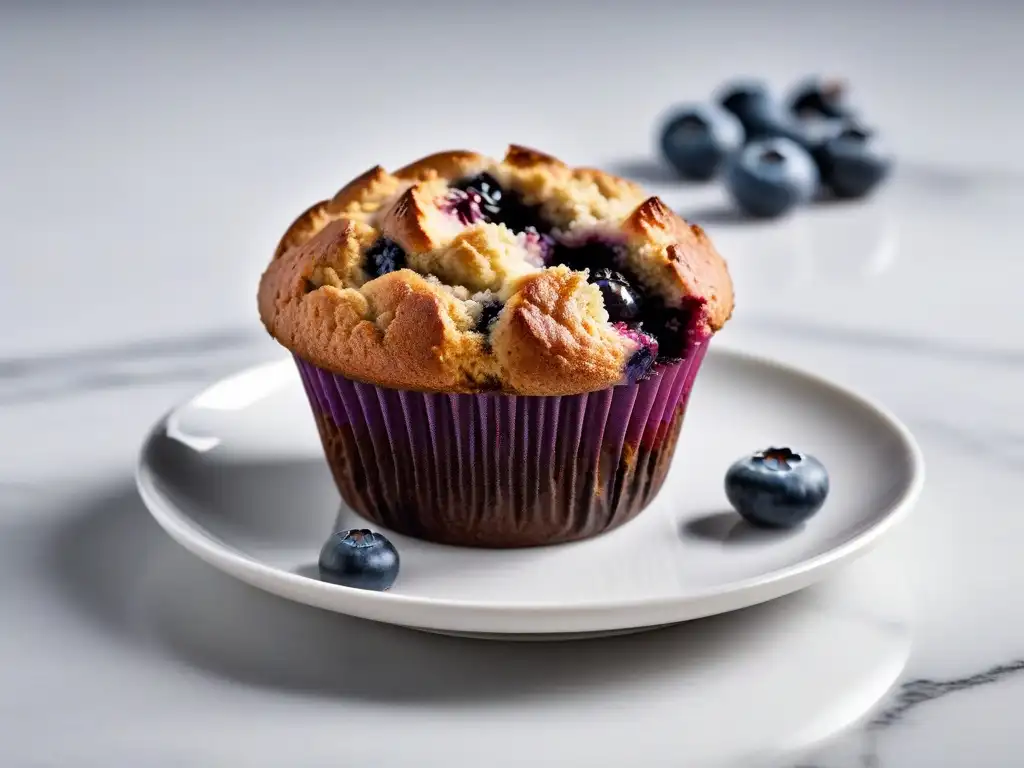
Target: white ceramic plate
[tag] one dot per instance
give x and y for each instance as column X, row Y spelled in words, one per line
column 236, row 476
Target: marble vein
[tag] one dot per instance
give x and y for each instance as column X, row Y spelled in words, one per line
column 140, row 363
column 99, row 381
column 913, row 693
column 144, row 349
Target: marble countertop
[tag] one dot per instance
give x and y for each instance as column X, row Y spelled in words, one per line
column 150, row 158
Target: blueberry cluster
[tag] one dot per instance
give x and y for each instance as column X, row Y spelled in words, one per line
column 776, row 154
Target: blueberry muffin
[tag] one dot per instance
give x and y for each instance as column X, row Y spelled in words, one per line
column 496, row 353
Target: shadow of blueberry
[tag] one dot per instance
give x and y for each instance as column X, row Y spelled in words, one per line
column 728, row 528
column 648, row 170
column 724, row 214
column 309, row 570
column 824, row 198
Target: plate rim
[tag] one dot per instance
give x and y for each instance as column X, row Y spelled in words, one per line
column 572, row 617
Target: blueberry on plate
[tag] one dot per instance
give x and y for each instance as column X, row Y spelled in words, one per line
column 359, row 558
column 820, row 97
column 777, row 488
column 852, row 163
column 696, row 140
column 770, row 177
column 621, row 299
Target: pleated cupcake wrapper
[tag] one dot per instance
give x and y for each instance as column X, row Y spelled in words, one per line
column 500, row 470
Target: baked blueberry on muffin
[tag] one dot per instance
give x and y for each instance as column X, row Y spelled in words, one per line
column 497, row 353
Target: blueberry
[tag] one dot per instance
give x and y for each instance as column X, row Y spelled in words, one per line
column 851, row 162
column 812, row 133
column 621, row 299
column 697, row 139
column 488, row 189
column 488, row 314
column 538, row 247
column 501, row 206
column 359, row 558
column 745, row 99
column 639, row 365
column 769, row 177
column 646, row 355
column 777, row 488
column 593, row 253
column 465, row 206
column 820, row 97
column 673, row 327
column 384, row 256
column 760, row 115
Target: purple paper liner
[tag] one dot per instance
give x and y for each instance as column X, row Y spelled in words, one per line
column 494, row 470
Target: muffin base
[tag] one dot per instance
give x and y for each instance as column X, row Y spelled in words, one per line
column 492, row 470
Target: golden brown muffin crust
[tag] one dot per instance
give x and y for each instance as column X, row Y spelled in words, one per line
column 691, row 264
column 471, row 304
column 453, row 164
column 308, row 223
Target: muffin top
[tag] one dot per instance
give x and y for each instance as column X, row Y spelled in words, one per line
column 459, row 273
